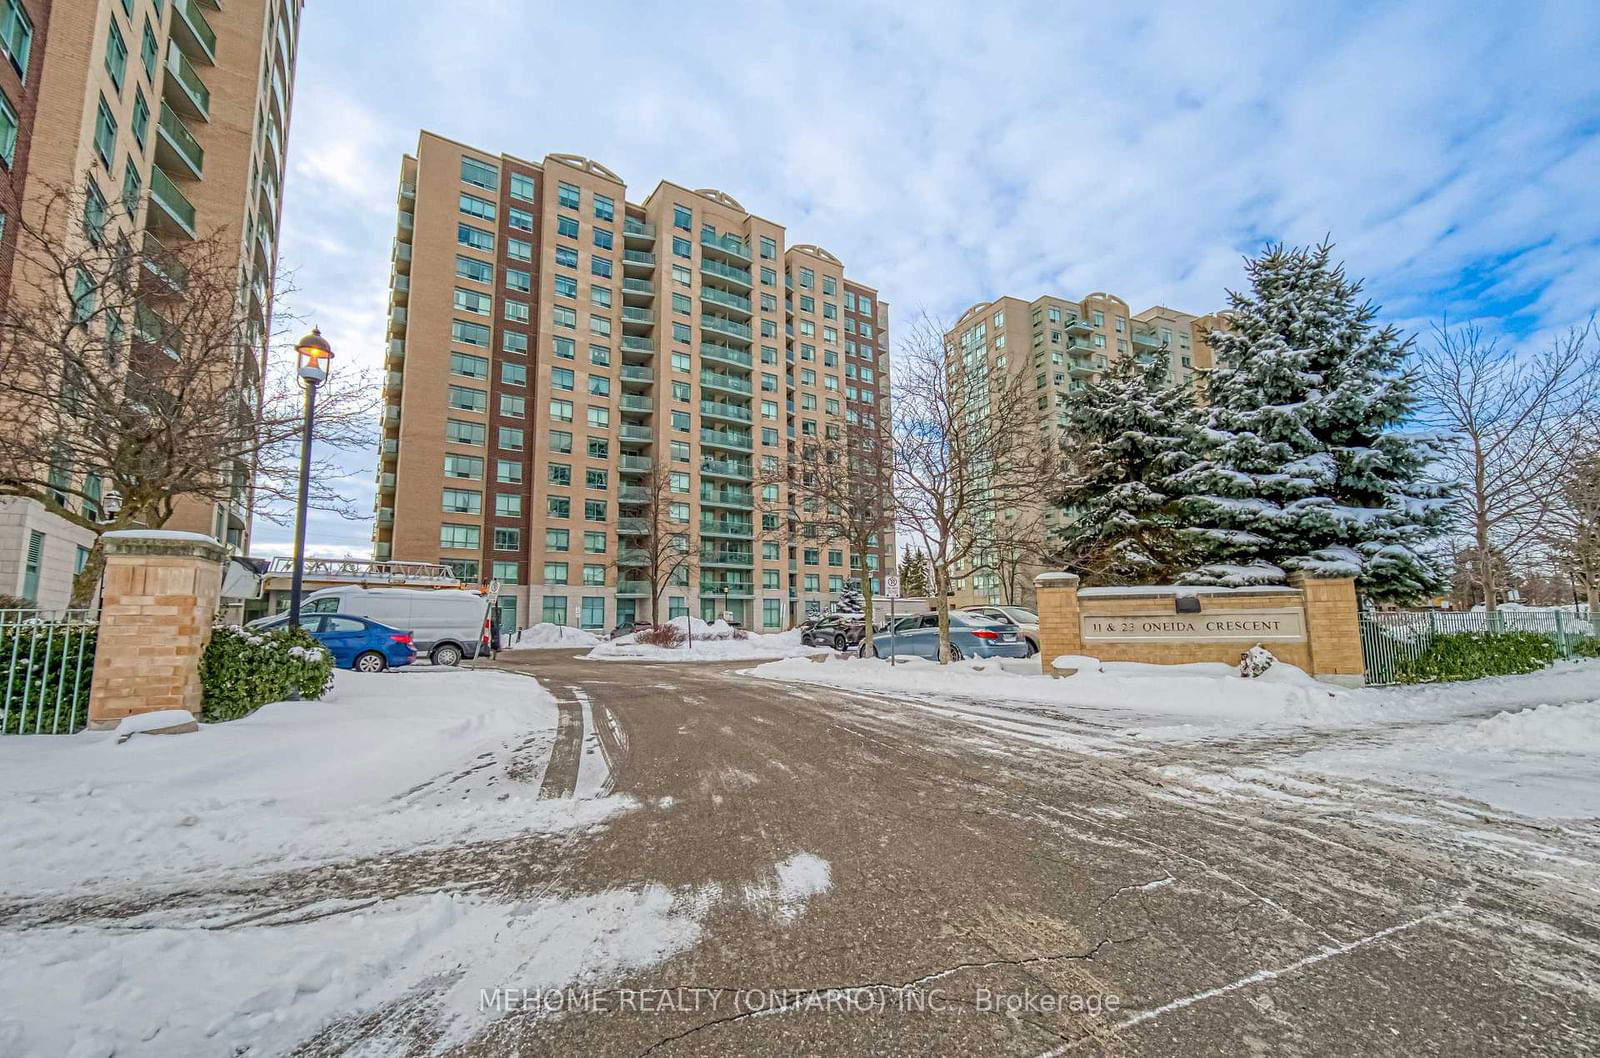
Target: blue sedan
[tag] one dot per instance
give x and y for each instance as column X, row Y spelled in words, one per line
column 971, row 636
column 357, row 643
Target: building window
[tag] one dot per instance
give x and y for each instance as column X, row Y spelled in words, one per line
column 510, row 438
column 566, row 257
column 105, row 133
column 469, row 468
column 604, row 208
column 35, row 560
column 594, row 543
column 508, row 472
column 116, row 55
column 473, row 206
column 520, row 219
column 600, row 266
column 771, row 613
column 473, row 269
column 462, row 501
column 555, row 609
column 506, row 573
column 16, row 36
column 561, row 410
column 475, row 238
column 519, row 249
column 472, row 301
column 522, row 187
column 682, row 218
column 563, row 378
column 466, row 398
column 556, row 573
column 465, row 433
column 681, row 247
column 513, row 342
column 518, row 280
column 567, row 196
column 566, row 286
column 508, row 539
column 769, row 249
column 594, row 611
column 478, row 174
column 459, row 537
column 513, row 406
column 557, row 539
column 469, row 366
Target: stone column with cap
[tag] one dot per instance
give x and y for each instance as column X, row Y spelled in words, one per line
column 158, row 601
column 1060, row 622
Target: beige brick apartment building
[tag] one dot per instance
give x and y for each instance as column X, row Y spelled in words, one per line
column 179, row 108
column 1059, row 346
column 551, row 343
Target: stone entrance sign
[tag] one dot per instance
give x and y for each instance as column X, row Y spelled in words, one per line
column 1257, row 626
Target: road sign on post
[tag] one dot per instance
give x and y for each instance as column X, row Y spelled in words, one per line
column 891, row 585
column 891, row 588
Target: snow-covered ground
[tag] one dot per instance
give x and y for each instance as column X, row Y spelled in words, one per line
column 1525, row 744
column 551, row 637
column 293, row 784
column 712, row 642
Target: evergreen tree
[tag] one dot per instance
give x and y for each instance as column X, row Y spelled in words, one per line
column 850, row 599
column 913, row 573
column 1126, row 436
column 1303, row 462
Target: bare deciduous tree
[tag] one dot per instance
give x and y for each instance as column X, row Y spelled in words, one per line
column 968, row 447
column 841, row 492
column 131, row 367
column 662, row 547
column 1511, row 421
column 1572, row 529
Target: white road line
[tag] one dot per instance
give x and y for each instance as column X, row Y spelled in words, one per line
column 1323, row 955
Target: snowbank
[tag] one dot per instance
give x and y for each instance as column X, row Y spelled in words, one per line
column 1207, row 691
column 552, row 637
column 1571, row 728
column 712, row 642
column 294, row 783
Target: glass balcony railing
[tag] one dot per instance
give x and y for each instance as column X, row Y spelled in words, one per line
column 723, row 325
column 183, row 87
column 714, row 296
column 725, row 353
column 176, row 207
column 638, row 228
column 731, row 245
column 636, row 464
column 728, row 383
column 740, row 276
column 638, row 288
column 636, row 344
column 726, row 527
column 633, row 494
column 728, row 497
column 178, row 146
column 720, row 410
column 726, row 468
column 725, row 439
column 635, row 403
column 642, row 258
column 190, row 28
column 634, row 373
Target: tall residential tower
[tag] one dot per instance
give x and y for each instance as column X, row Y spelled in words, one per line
column 554, row 347
column 178, row 108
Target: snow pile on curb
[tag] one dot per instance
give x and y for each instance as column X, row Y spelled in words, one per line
column 1571, row 728
column 1282, row 693
column 293, row 784
column 552, row 637
column 712, row 642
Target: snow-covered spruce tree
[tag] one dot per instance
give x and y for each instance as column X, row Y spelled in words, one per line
column 1304, row 465
column 1126, row 436
column 850, row 598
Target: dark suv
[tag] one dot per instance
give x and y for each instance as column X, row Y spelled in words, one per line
column 839, row 631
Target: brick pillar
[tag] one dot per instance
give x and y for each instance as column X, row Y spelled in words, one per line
column 158, row 600
column 1333, row 629
column 1060, row 627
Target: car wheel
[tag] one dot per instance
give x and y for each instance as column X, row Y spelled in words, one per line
column 1033, row 648
column 840, row 643
column 955, row 653
column 371, row 661
column 446, row 655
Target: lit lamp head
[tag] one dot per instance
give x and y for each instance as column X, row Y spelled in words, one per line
column 316, row 356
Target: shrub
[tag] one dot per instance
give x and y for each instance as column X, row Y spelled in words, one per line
column 667, row 635
column 1473, row 655
column 242, row 670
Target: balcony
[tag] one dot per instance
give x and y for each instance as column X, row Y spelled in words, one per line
column 392, row 381
column 400, row 289
column 632, row 432
column 397, row 323
column 390, row 448
column 408, row 194
column 727, row 527
column 633, row 494
column 1078, row 325
column 723, row 325
column 634, row 344
column 630, row 556
column 635, row 373
column 402, row 257
column 1081, row 367
column 725, row 353
column 733, row 559
column 715, row 497
column 726, row 468
column 725, row 383
column 407, row 226
column 176, row 147
column 633, row 527
column 385, row 517
column 635, row 464
column 728, row 589
column 731, row 302
column 391, row 415
column 633, row 589
column 638, row 317
column 728, row 246
column 176, row 215
column 638, row 262
column 1082, row 344
column 192, row 32
column 385, row 482
column 1147, row 340
column 638, row 291
column 638, row 231
column 725, row 274
column 381, row 550
column 637, row 404
column 726, row 439
column 397, row 353
column 712, row 409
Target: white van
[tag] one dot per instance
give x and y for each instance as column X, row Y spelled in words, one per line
column 446, row 624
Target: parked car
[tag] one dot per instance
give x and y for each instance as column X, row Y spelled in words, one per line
column 358, row 643
column 1027, row 621
column 971, row 636
column 839, row 631
column 628, row 628
column 448, row 623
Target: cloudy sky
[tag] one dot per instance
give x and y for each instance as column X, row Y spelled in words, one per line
column 951, row 152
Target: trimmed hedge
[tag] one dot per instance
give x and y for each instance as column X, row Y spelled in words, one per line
column 1473, row 655
column 243, row 669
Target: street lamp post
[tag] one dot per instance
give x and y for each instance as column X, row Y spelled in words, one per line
column 315, row 359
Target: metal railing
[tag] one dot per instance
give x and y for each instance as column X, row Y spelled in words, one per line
column 1389, row 640
column 49, row 658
